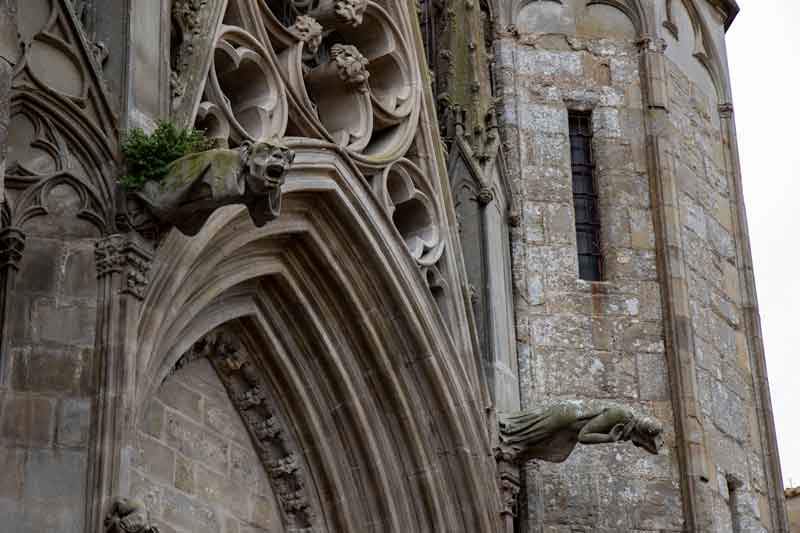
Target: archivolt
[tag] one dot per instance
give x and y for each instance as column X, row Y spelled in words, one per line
column 351, row 341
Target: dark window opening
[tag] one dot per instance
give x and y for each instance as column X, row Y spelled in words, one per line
column 584, row 196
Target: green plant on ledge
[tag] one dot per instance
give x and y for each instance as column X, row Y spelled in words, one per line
column 148, row 156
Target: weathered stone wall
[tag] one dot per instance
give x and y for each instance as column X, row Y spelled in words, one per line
column 194, row 465
column 671, row 141
column 724, row 375
column 49, row 380
column 577, row 338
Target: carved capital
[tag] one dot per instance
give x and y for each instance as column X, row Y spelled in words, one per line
column 119, row 254
column 12, row 244
column 509, row 491
column 485, row 196
column 648, row 43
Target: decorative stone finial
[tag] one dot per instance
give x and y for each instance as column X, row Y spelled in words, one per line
column 551, row 432
column 308, row 30
column 351, row 12
column 351, row 64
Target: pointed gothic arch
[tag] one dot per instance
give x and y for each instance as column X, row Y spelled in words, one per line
column 339, row 315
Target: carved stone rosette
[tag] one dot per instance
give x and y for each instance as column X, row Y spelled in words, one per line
column 273, row 442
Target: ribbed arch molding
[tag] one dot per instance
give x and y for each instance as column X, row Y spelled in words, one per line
column 341, row 321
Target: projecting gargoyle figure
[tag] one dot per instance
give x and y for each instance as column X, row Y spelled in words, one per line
column 551, row 432
column 126, row 515
column 198, row 184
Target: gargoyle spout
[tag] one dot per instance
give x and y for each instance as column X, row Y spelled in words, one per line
column 552, row 431
column 198, row 184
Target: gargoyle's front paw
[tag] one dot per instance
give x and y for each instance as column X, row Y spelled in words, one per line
column 616, row 432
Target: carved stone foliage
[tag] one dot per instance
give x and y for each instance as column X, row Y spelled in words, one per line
column 123, row 255
column 274, row 443
column 62, row 129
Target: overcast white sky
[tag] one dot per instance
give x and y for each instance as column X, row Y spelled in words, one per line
column 764, row 58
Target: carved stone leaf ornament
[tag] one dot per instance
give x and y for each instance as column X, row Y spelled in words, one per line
column 279, row 453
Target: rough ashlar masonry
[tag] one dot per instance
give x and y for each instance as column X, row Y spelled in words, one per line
column 607, row 339
column 576, row 338
column 48, row 381
column 722, row 358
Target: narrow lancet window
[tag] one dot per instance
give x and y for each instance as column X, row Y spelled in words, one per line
column 584, row 195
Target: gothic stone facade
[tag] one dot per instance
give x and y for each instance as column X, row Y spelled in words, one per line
column 340, row 368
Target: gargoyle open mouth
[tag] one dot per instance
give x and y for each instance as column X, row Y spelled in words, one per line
column 277, row 169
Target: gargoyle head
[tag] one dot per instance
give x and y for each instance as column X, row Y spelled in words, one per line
column 266, row 164
column 647, row 434
column 126, row 515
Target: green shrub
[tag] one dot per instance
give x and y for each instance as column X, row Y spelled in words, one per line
column 147, row 156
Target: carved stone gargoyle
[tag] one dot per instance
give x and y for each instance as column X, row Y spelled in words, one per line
column 551, row 432
column 198, row 184
column 126, row 515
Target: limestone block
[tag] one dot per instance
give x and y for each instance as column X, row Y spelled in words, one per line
column 72, row 429
column 80, row 276
column 154, row 459
column 12, row 463
column 196, row 443
column 182, row 399
column 27, row 420
column 53, row 370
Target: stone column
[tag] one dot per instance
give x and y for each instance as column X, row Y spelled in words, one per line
column 9, row 53
column 752, row 325
column 12, row 244
column 679, row 335
column 123, row 264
